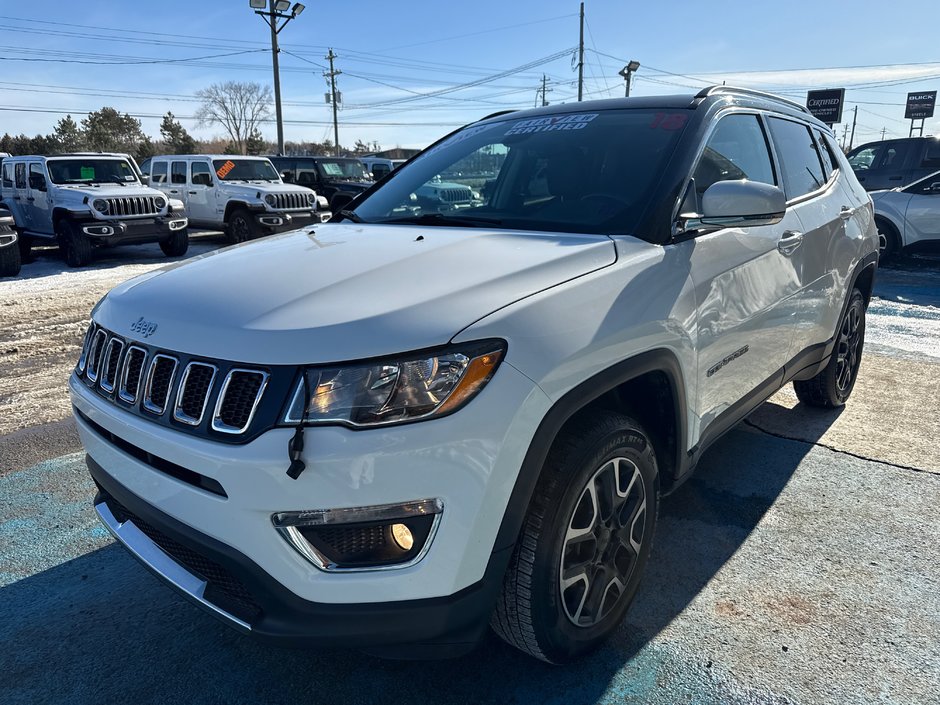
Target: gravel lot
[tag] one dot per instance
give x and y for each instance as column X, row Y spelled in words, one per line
column 799, row 565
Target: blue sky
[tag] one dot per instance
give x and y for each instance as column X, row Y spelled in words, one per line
column 81, row 56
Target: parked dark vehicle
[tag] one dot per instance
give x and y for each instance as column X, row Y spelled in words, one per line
column 9, row 247
column 893, row 163
column 338, row 179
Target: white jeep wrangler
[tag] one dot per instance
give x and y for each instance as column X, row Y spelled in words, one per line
column 394, row 431
column 244, row 196
column 88, row 200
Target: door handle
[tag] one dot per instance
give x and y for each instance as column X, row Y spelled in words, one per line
column 30, row 198
column 16, row 198
column 789, row 242
column 173, row 190
column 193, row 193
column 846, row 212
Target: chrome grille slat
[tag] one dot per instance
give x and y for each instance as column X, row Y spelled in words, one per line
column 95, row 355
column 159, row 385
column 122, row 206
column 132, row 374
column 290, row 201
column 194, row 392
column 238, row 401
column 86, row 343
column 111, row 364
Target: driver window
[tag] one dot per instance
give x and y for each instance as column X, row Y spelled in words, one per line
column 201, row 174
column 737, row 149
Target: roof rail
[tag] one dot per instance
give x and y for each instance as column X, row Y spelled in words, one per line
column 712, row 90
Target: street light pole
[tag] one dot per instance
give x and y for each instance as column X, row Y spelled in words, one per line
column 627, row 73
column 271, row 11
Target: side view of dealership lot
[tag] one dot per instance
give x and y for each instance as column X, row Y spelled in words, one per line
column 616, row 399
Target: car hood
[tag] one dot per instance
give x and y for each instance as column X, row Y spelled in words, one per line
column 107, row 191
column 343, row 291
column 252, row 187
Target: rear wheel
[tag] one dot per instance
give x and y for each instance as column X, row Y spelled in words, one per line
column 584, row 542
column 833, row 385
column 25, row 243
column 241, row 226
column 889, row 241
column 177, row 244
column 76, row 248
column 10, row 261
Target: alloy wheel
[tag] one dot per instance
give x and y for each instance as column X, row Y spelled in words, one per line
column 847, row 357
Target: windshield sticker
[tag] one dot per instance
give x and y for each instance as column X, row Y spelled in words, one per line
column 332, row 169
column 87, row 173
column 463, row 135
column 224, row 170
column 130, row 177
column 552, row 124
column 669, row 121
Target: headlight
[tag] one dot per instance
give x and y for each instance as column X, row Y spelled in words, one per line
column 270, row 200
column 159, row 203
column 311, row 198
column 100, row 205
column 400, row 389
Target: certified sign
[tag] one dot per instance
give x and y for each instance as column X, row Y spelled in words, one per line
column 826, row 105
column 920, row 105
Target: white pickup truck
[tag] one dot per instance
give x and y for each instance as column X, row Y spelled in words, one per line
column 244, row 196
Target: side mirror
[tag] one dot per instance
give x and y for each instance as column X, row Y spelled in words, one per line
column 145, row 180
column 934, row 187
column 37, row 182
column 340, row 201
column 738, row 204
column 287, row 177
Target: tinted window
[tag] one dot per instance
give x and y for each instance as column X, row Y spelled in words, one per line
column 864, row 158
column 245, row 170
column 932, row 154
column 894, row 155
column 35, row 169
column 90, row 171
column 380, row 170
column 829, row 161
column 158, row 173
column 737, row 149
column 178, row 173
column 201, row 173
column 21, row 175
column 799, row 160
column 8, row 175
column 576, row 172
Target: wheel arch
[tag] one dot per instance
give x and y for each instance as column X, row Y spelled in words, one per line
column 892, row 226
column 625, row 387
column 232, row 206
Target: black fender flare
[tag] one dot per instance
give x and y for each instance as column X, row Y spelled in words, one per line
column 234, row 205
column 658, row 360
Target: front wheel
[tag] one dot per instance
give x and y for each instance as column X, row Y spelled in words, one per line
column 177, row 244
column 889, row 241
column 585, row 540
column 831, row 387
column 10, row 261
column 77, row 248
column 241, row 227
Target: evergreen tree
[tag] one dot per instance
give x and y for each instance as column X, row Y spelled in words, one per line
column 106, row 130
column 68, row 136
column 175, row 136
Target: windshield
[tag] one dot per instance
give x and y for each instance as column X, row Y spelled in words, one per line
column 346, row 169
column 245, row 170
column 90, row 171
column 576, row 172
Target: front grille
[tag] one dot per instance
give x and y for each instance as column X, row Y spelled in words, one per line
column 149, row 381
column 222, row 588
column 159, row 380
column 353, row 542
column 130, row 377
column 455, row 195
column 194, row 393
column 238, row 400
column 132, row 206
column 292, row 201
column 112, row 359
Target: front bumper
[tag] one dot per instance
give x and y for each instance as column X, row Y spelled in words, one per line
column 142, row 230
column 469, row 460
column 278, row 222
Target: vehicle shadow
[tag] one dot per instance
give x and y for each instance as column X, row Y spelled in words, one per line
column 100, row 628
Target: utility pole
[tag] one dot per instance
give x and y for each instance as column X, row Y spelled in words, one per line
column 332, row 74
column 543, row 90
column 276, row 10
column 854, row 120
column 845, row 135
column 883, row 130
column 581, row 57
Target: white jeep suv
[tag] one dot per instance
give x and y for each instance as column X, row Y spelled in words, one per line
column 244, row 196
column 393, row 431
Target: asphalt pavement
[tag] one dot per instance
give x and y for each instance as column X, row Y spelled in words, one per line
column 799, row 565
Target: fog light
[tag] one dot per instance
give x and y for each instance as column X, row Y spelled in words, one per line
column 403, row 536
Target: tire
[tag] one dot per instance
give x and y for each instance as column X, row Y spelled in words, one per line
column 241, row 227
column 889, row 241
column 833, row 385
column 10, row 261
column 76, row 248
column 177, row 244
column 557, row 603
column 25, row 243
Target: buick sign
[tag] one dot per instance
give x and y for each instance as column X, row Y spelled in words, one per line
column 826, row 106
column 920, row 105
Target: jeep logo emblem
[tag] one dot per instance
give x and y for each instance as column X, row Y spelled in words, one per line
column 145, row 328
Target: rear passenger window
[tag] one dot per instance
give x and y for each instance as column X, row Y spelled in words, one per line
column 830, row 163
column 894, row 155
column 21, row 175
column 178, row 173
column 158, row 173
column 799, row 160
column 737, row 149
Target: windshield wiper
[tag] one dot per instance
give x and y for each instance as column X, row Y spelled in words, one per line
column 351, row 215
column 441, row 219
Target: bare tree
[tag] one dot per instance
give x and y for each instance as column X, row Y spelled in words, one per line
column 238, row 107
